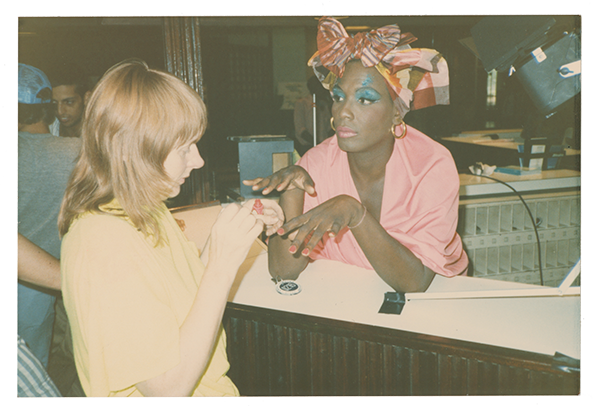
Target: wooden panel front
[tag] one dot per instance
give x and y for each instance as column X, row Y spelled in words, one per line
column 283, row 354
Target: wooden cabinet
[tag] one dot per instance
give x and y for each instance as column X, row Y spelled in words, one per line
column 274, row 353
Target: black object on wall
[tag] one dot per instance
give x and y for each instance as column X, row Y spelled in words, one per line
column 544, row 55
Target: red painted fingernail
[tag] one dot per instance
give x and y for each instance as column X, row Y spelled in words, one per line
column 293, row 249
column 258, row 207
column 305, row 251
column 280, row 231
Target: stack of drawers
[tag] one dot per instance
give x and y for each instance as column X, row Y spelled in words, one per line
column 500, row 240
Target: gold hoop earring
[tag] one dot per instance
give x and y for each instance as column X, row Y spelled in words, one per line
column 331, row 122
column 403, row 132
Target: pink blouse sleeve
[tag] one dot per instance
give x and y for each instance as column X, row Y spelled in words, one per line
column 428, row 225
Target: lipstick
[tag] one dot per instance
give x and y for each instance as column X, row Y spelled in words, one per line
column 345, row 132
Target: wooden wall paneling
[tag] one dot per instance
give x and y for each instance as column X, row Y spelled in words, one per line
column 183, row 59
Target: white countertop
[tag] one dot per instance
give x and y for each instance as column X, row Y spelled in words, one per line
column 343, row 292
column 337, row 291
column 472, row 185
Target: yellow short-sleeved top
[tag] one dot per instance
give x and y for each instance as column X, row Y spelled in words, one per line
column 126, row 299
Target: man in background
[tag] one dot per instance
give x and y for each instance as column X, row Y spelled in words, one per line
column 70, row 91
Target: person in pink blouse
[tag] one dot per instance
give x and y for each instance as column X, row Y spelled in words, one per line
column 378, row 194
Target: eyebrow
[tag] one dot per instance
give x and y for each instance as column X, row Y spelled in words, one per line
column 362, row 87
column 368, row 80
column 66, row 99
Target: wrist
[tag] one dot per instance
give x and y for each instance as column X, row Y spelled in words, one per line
column 220, row 274
column 359, row 219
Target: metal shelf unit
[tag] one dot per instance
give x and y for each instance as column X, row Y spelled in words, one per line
column 499, row 237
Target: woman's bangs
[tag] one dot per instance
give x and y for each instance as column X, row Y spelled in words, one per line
column 190, row 119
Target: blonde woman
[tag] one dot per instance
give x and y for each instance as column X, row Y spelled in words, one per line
column 144, row 306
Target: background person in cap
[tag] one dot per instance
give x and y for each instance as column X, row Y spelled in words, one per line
column 45, row 163
column 386, row 194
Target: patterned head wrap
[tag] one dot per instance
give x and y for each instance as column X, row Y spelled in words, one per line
column 416, row 77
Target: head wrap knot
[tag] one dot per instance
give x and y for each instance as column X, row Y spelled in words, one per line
column 416, row 78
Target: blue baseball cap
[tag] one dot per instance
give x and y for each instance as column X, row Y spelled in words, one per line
column 31, row 81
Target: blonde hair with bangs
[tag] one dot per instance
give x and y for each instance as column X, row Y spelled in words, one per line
column 134, row 118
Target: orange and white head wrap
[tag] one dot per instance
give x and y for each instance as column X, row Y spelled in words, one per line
column 416, row 77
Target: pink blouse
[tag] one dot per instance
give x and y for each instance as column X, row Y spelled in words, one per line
column 419, row 208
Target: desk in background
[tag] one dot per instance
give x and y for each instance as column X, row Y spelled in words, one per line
column 471, row 147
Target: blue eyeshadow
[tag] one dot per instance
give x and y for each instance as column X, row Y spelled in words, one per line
column 368, row 93
column 337, row 91
column 363, row 93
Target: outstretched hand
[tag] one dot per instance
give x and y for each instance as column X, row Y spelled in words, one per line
column 292, row 177
column 327, row 219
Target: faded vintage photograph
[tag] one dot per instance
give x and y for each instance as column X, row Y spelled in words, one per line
column 290, row 205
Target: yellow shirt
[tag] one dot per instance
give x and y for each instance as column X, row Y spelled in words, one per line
column 126, row 300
